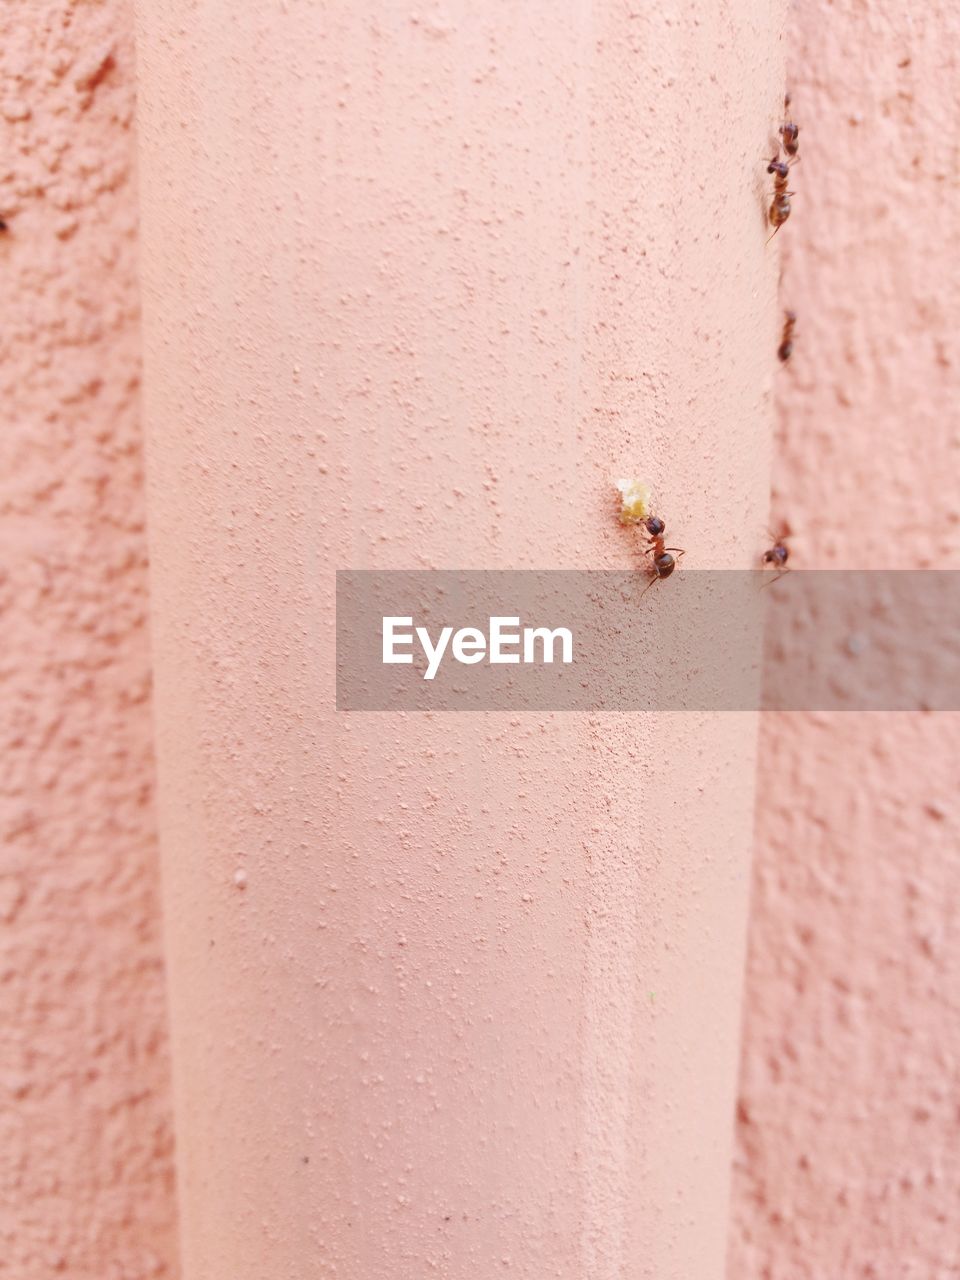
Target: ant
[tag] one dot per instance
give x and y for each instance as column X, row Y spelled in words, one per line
column 790, row 133
column 663, row 562
column 777, row 556
column 780, row 208
column 785, row 349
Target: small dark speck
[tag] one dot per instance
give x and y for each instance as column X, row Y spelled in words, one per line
column 3, row 225
column 904, row 62
column 306, row 1159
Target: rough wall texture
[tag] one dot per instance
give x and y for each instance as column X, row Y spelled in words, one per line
column 849, row 1133
column 85, row 1147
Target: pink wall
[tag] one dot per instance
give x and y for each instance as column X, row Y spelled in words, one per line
column 85, row 1139
column 849, row 1127
column 848, row 1121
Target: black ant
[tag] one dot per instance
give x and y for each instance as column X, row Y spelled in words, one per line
column 777, row 556
column 663, row 562
column 785, row 349
column 780, row 208
column 790, row 133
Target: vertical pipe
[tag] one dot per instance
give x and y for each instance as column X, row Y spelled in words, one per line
column 451, row 994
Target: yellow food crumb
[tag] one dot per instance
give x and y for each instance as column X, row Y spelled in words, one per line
column 634, row 501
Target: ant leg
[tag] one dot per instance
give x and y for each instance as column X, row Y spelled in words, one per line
column 655, row 578
column 775, row 578
column 680, row 550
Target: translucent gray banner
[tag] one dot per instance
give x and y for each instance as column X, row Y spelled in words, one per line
column 478, row 640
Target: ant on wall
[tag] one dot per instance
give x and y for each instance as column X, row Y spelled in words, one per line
column 790, row 133
column 777, row 556
column 779, row 210
column 785, row 349
column 663, row 562
column 634, row 509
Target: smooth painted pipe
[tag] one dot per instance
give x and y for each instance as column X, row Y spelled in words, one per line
column 452, row 995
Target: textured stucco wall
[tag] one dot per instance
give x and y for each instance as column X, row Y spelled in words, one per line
column 849, row 1133
column 85, row 1143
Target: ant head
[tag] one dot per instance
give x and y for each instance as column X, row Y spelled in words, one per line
column 779, row 167
column 654, row 526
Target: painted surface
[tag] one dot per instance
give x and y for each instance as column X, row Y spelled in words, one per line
column 454, row 995
column 848, row 1122
column 849, row 1127
column 85, row 1139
